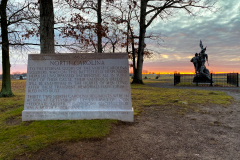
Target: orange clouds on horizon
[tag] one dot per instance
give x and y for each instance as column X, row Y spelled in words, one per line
column 159, row 68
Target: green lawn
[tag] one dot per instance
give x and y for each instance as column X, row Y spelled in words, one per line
column 17, row 137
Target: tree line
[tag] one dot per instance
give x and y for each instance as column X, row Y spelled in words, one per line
column 86, row 26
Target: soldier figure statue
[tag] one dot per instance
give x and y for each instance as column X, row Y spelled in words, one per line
column 195, row 60
column 202, row 73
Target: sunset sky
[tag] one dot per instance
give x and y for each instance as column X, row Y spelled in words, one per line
column 181, row 35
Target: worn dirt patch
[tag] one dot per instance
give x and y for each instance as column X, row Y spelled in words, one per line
column 13, row 121
column 27, row 123
column 160, row 133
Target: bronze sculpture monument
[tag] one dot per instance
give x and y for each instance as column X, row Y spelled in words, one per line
column 202, row 73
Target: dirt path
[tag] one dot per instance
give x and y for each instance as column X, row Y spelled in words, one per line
column 160, row 133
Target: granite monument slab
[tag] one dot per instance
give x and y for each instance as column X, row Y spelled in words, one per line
column 78, row 86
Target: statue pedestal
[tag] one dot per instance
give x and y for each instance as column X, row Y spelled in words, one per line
column 199, row 78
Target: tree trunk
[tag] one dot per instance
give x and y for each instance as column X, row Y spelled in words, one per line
column 127, row 36
column 46, row 27
column 133, row 54
column 6, row 80
column 99, row 26
column 138, row 76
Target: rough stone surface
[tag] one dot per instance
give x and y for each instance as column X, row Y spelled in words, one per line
column 78, row 86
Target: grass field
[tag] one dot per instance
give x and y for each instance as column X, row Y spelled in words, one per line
column 163, row 78
column 186, row 80
column 17, row 137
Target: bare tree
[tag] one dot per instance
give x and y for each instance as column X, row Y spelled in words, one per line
column 115, row 37
column 6, row 81
column 151, row 9
column 14, row 15
column 98, row 25
column 95, row 6
column 128, row 13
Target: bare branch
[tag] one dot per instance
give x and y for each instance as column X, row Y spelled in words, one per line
column 20, row 10
column 175, row 4
column 21, row 19
column 80, row 7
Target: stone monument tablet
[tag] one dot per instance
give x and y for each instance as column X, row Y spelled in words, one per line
column 78, row 86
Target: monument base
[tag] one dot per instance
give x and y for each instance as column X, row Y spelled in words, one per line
column 201, row 83
column 29, row 115
column 201, row 79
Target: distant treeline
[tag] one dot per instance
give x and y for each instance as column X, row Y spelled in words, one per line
column 16, row 76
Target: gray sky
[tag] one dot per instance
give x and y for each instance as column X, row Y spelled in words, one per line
column 219, row 31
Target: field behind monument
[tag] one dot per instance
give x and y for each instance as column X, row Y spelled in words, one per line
column 17, row 137
column 162, row 78
column 220, row 79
